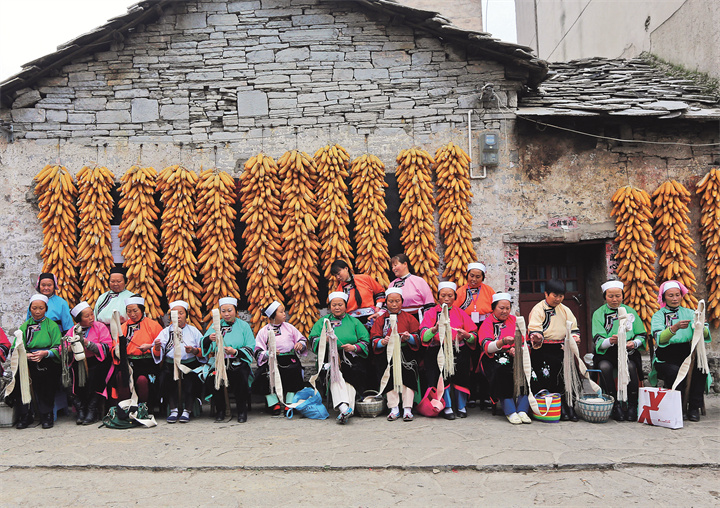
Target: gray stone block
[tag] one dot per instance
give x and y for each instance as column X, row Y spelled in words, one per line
column 263, row 56
column 90, row 104
column 56, row 116
column 144, row 110
column 113, row 116
column 204, row 76
column 371, row 74
column 283, row 103
column 81, row 118
column 222, row 19
column 390, row 59
column 26, row 99
column 74, row 77
column 252, row 103
column 327, row 56
column 305, row 98
column 243, row 6
column 313, row 20
column 292, row 55
column 190, row 21
column 310, row 35
column 174, row 112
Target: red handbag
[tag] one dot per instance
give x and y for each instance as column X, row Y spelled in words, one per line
column 432, row 403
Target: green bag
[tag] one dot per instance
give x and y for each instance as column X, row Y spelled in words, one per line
column 127, row 416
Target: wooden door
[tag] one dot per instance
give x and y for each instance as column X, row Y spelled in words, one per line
column 567, row 263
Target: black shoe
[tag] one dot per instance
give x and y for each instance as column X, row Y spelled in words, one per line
column 564, row 412
column 693, row 415
column 242, row 417
column 462, row 414
column 93, row 411
column 47, row 421
column 80, row 411
column 572, row 415
column 632, row 414
column 24, row 421
column 448, row 416
column 220, row 416
column 617, row 412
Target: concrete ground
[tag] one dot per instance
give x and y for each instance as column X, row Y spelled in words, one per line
column 481, row 460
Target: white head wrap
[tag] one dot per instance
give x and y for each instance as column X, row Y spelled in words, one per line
column 670, row 285
column 501, row 296
column 228, row 300
column 39, row 298
column 134, row 300
column 179, row 303
column 79, row 308
column 337, row 294
column 476, row 266
column 447, row 284
column 612, row 284
column 272, row 308
column 393, row 291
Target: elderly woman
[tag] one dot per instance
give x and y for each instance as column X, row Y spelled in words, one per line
column 190, row 352
column 365, row 295
column 497, row 340
column 90, row 397
column 464, row 333
column 408, row 330
column 417, row 295
column 290, row 344
column 672, row 330
column 238, row 345
column 113, row 300
column 42, row 338
column 547, row 328
column 58, row 308
column 140, row 332
column 348, row 378
column 605, row 327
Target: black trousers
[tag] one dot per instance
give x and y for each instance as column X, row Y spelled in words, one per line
column 547, row 363
column 238, row 376
column 95, row 382
column 45, row 379
column 190, row 386
column 291, row 375
column 608, row 363
column 668, row 372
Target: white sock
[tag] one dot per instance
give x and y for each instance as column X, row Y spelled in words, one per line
column 343, row 407
column 448, row 410
column 395, row 411
column 407, row 411
column 462, row 410
column 186, row 412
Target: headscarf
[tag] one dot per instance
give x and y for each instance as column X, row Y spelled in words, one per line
column 46, row 275
column 664, row 287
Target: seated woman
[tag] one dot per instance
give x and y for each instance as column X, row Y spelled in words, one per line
column 605, row 329
column 417, row 295
column 190, row 354
column 497, row 340
column 464, row 332
column 547, row 330
column 42, row 338
column 289, row 343
column 408, row 330
column 238, row 343
column 348, row 363
column 475, row 297
column 58, row 308
column 114, row 299
column 89, row 399
column 672, row 330
column 365, row 295
column 140, row 332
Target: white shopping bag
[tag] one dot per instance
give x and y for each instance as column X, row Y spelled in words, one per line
column 660, row 407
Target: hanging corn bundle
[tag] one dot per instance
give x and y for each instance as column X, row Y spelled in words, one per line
column 139, row 236
column 301, row 249
column 95, row 207
column 636, row 258
column 216, row 232
column 417, row 224
column 262, row 255
column 367, row 180
column 672, row 237
column 177, row 186
column 709, row 191
column 333, row 208
column 56, row 193
column 453, row 183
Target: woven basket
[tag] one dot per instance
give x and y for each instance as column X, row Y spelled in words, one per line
column 595, row 412
column 371, row 405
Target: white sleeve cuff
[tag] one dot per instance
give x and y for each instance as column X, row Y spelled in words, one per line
column 605, row 344
column 492, row 347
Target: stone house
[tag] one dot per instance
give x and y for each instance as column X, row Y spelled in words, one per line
column 211, row 83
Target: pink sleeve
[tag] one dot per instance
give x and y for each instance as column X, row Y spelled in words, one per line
column 103, row 334
column 424, row 291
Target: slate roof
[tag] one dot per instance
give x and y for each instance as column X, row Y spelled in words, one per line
column 617, row 87
column 147, row 11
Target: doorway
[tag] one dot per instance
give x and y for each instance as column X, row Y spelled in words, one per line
column 581, row 266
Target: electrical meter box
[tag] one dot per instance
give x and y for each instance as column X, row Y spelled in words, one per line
column 490, row 149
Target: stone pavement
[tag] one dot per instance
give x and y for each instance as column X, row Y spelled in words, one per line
column 264, row 454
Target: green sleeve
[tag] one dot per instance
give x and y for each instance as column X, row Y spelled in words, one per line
column 598, row 330
column 664, row 337
column 638, row 330
column 657, row 325
column 206, row 345
column 706, row 333
column 55, row 340
column 363, row 337
column 315, row 333
column 248, row 336
column 428, row 336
